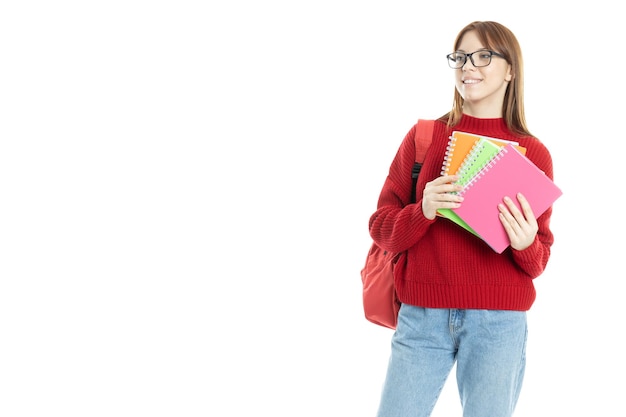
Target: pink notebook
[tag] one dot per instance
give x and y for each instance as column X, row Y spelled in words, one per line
column 507, row 174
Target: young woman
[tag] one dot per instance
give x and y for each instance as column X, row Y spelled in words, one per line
column 462, row 302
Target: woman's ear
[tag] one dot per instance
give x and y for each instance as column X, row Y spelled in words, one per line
column 509, row 75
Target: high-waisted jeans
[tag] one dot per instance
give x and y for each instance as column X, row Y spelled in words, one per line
column 488, row 346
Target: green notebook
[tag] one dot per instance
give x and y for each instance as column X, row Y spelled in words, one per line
column 481, row 153
column 479, row 156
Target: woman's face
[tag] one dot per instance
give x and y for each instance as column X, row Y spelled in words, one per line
column 482, row 88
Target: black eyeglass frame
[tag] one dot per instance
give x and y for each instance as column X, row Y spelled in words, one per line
column 491, row 54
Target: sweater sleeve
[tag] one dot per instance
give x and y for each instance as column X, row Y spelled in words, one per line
column 397, row 224
column 534, row 259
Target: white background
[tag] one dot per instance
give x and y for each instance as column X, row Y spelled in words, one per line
column 186, row 188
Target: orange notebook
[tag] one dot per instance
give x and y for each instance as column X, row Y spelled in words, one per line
column 483, row 151
column 459, row 146
column 509, row 173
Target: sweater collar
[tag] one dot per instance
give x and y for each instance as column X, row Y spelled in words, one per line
column 488, row 127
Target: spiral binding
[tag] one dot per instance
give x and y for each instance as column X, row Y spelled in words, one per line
column 468, row 164
column 448, row 155
column 483, row 170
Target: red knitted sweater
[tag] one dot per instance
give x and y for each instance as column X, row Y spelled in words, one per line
column 446, row 266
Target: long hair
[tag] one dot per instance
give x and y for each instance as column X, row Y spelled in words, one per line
column 497, row 37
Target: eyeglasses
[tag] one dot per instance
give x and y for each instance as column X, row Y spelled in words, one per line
column 456, row 60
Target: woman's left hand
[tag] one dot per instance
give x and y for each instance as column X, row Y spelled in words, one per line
column 520, row 226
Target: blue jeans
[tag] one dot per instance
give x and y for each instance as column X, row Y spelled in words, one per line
column 488, row 346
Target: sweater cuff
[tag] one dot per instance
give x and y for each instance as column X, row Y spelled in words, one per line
column 418, row 216
column 529, row 259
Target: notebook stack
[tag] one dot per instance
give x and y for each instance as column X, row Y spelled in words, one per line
column 490, row 169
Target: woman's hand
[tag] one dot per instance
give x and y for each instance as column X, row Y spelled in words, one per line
column 439, row 194
column 521, row 227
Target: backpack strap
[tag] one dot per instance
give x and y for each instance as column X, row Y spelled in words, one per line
column 423, row 137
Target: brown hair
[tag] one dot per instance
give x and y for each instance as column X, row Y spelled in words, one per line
column 495, row 36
